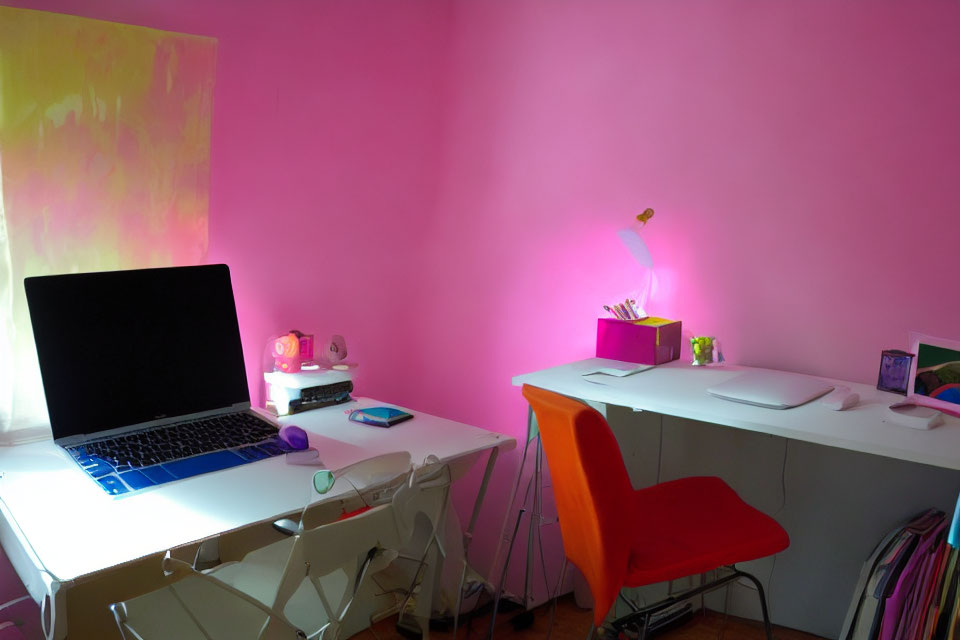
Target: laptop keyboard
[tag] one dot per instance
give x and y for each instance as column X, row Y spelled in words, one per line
column 146, row 458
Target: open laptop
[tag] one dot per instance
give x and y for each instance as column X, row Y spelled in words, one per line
column 143, row 374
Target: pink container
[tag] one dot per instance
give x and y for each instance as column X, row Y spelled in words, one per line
column 647, row 341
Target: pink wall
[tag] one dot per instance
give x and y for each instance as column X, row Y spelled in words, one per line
column 323, row 160
column 450, row 177
column 802, row 159
column 325, row 137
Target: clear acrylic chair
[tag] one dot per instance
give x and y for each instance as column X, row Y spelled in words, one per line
column 301, row 586
column 422, row 520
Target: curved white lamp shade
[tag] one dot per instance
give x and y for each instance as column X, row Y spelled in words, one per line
column 638, row 249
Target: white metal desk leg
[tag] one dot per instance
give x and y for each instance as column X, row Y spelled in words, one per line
column 503, row 577
column 468, row 534
column 532, row 432
column 53, row 617
column 535, row 519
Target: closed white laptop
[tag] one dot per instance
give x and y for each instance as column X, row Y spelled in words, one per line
column 771, row 389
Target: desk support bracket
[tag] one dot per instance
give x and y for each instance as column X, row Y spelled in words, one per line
column 468, row 534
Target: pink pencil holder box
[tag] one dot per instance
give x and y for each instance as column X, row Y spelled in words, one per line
column 647, row 341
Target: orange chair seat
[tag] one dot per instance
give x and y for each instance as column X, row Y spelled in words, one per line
column 620, row 537
column 695, row 525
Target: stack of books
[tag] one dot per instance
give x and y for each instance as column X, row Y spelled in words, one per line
column 908, row 587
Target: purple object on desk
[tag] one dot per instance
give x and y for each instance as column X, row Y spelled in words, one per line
column 295, row 437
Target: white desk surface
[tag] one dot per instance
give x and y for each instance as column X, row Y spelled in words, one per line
column 74, row 528
column 679, row 389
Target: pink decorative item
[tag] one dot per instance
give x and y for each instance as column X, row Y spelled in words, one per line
column 335, row 350
column 648, row 341
column 286, row 353
column 306, row 345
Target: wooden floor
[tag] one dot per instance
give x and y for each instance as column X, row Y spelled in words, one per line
column 572, row 623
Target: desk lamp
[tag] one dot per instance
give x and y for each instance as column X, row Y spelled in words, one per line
column 638, row 249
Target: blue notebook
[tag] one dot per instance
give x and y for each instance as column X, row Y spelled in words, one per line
column 380, row 416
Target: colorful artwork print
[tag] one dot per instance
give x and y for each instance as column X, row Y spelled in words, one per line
column 938, row 373
column 104, row 160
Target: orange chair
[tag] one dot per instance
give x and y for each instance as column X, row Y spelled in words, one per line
column 618, row 537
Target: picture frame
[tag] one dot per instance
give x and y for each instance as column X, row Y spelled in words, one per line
column 895, row 368
column 935, row 373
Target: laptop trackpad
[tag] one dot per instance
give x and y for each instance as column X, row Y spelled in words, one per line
column 203, row 464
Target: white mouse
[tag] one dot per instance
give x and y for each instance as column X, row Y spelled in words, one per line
column 840, row 398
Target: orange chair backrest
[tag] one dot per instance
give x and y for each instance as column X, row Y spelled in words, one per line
column 592, row 491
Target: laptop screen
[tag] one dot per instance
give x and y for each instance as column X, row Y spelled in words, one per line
column 119, row 348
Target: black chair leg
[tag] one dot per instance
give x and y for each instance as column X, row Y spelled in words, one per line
column 646, row 627
column 645, row 613
column 767, row 627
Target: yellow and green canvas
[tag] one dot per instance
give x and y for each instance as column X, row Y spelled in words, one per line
column 104, row 160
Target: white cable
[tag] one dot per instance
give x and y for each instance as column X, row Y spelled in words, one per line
column 10, row 603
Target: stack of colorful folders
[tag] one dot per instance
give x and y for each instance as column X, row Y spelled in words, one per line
column 908, row 587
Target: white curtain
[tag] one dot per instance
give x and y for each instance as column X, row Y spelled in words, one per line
column 23, row 412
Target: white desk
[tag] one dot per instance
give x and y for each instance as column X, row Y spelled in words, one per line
column 59, row 526
column 834, row 501
column 679, row 389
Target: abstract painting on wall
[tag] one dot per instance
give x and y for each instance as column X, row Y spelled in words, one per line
column 104, row 160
